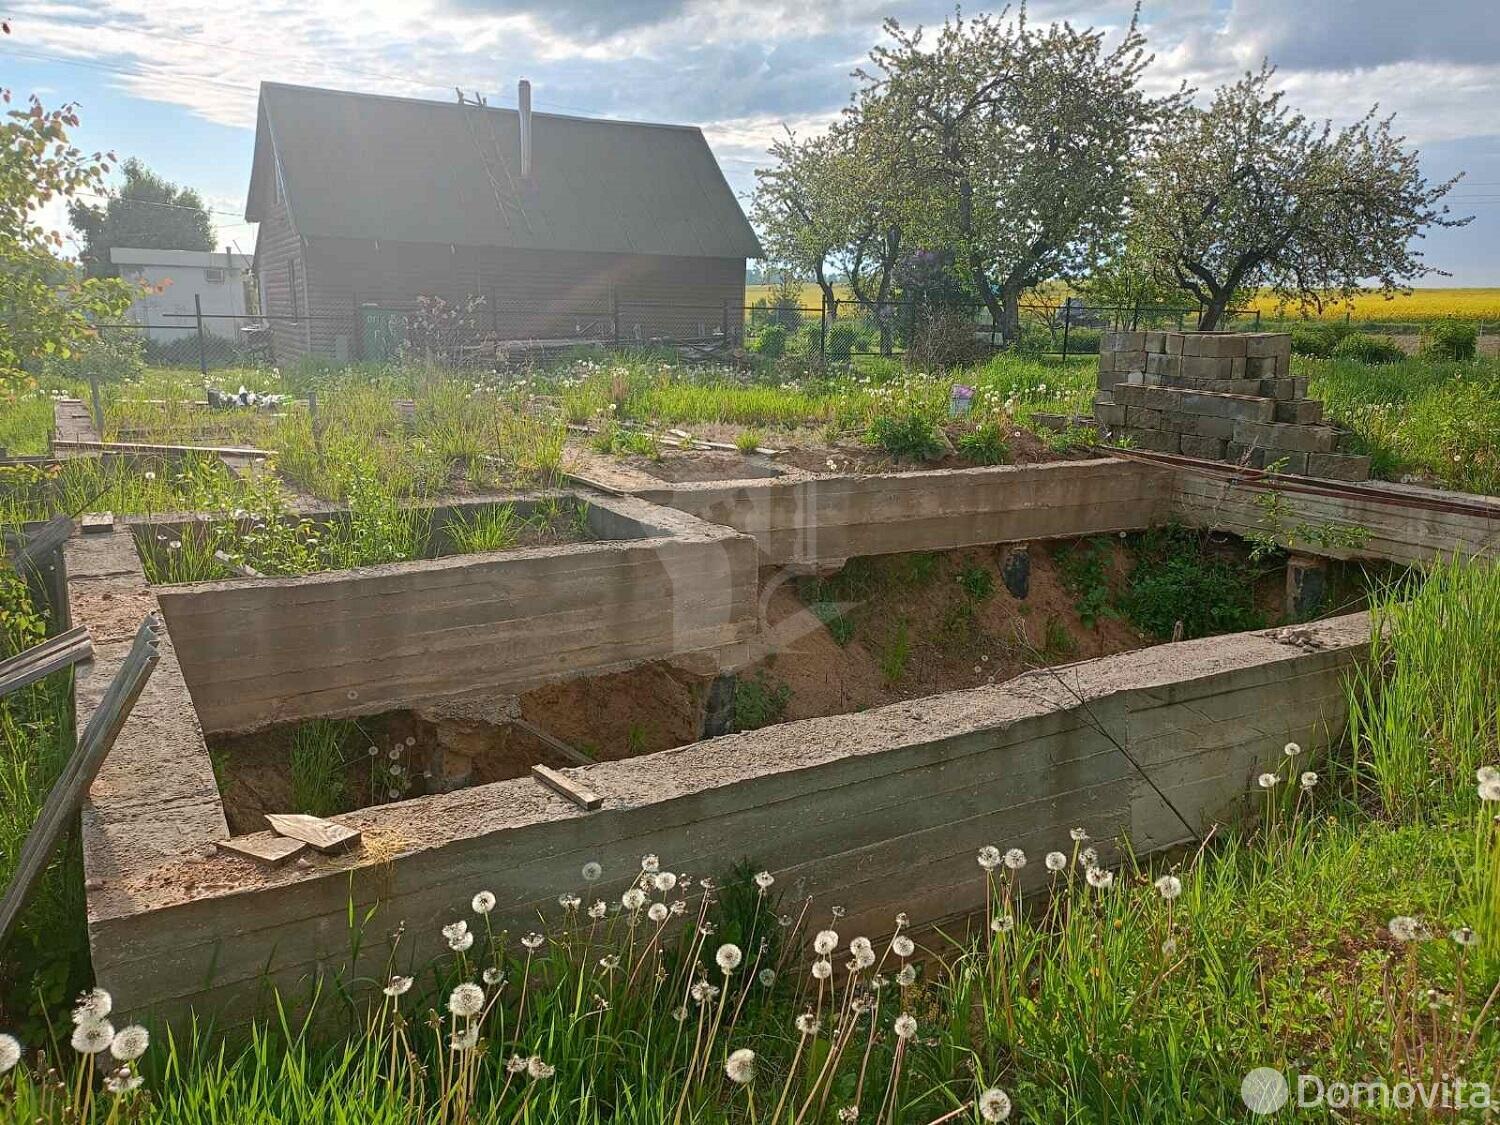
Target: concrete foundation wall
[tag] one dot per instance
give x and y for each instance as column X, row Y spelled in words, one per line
column 807, row 519
column 1398, row 533
column 260, row 651
column 878, row 812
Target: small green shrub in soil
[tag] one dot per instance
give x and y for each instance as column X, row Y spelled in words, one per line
column 1368, row 349
column 1179, row 577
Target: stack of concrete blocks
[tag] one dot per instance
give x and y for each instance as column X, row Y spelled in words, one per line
column 1222, row 396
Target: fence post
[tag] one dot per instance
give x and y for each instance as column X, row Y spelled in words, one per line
column 98, row 405
column 823, row 331
column 614, row 311
column 1067, row 321
column 198, row 314
column 724, row 321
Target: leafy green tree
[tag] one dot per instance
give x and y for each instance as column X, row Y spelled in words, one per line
column 796, row 209
column 1247, row 194
column 1025, row 134
column 147, row 212
column 46, row 308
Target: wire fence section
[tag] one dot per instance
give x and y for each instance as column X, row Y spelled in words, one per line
column 485, row 333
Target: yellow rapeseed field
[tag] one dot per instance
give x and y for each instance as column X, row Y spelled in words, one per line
column 1414, row 307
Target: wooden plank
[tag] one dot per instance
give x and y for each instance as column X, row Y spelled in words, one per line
column 97, row 523
column 555, row 744
column 146, row 447
column 42, row 660
column 67, row 794
column 48, row 538
column 561, row 784
column 324, row 835
column 273, row 851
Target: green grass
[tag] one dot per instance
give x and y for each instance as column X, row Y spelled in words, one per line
column 318, row 768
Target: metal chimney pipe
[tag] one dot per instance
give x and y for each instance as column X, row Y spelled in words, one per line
column 523, row 100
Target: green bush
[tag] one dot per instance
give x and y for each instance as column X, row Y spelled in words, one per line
column 1449, row 339
column 984, row 445
column 183, row 352
column 843, row 339
column 1178, row 577
column 1319, row 338
column 1368, row 349
column 760, row 702
column 771, row 342
column 910, row 435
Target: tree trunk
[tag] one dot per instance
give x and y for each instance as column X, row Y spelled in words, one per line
column 1212, row 314
column 1010, row 322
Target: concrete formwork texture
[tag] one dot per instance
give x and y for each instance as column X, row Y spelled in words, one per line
column 881, row 811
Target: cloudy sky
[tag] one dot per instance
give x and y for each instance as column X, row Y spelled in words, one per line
column 175, row 82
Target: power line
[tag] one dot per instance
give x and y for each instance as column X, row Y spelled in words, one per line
column 154, row 203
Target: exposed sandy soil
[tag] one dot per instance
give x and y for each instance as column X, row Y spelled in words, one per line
column 952, row 640
column 653, row 707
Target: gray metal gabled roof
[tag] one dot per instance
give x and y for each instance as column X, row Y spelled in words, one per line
column 405, row 170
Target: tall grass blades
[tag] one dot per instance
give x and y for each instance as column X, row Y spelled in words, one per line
column 319, row 768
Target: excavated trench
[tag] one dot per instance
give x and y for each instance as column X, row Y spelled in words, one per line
column 880, row 631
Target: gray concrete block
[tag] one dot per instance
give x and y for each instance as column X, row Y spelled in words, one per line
column 1205, row 367
column 1238, row 454
column 1307, row 412
column 1279, row 437
column 1268, row 344
column 1338, row 466
column 1208, row 447
column 1109, row 413
column 1155, row 341
column 1286, row 461
column 1122, row 341
column 1173, row 342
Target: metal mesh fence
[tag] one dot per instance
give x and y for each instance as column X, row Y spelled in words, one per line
column 484, row 333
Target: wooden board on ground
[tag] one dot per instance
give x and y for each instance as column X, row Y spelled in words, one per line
column 97, row 523
column 52, row 655
column 68, row 792
column 324, row 835
column 555, row 744
column 147, row 447
column 273, row 851
column 564, row 786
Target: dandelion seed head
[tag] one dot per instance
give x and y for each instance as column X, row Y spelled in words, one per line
column 466, row 1000
column 703, row 992
column 650, row 863
column 907, row 976
column 994, row 1104
column 1490, row 790
column 1169, row 887
column 822, row 968
column 989, row 857
column 465, row 1040
column 533, row 940
column 569, row 901
column 658, row 912
column 1486, row 773
column 123, row 1081
column 680, row 1013
column 1079, row 835
column 905, row 1026
column 664, row 881
column 808, row 1024
column 1267, row 780
column 1464, row 936
column 729, row 957
column 1015, row 859
column 592, row 870
column 1088, row 858
column 740, row 1066
column 862, row 952
column 1002, row 923
column 764, row 879
column 398, row 986
column 483, row 902
column 903, row 946
column 10, row 1052
column 92, row 1036
column 767, row 978
column 92, row 1006
column 130, row 1043
column 538, row 1069
column 633, row 899
column 1055, row 861
column 1099, row 878
column 1309, row 779
column 1291, row 749
column 598, row 910
column 826, row 942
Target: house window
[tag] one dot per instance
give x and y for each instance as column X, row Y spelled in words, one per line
column 291, row 289
column 214, row 276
